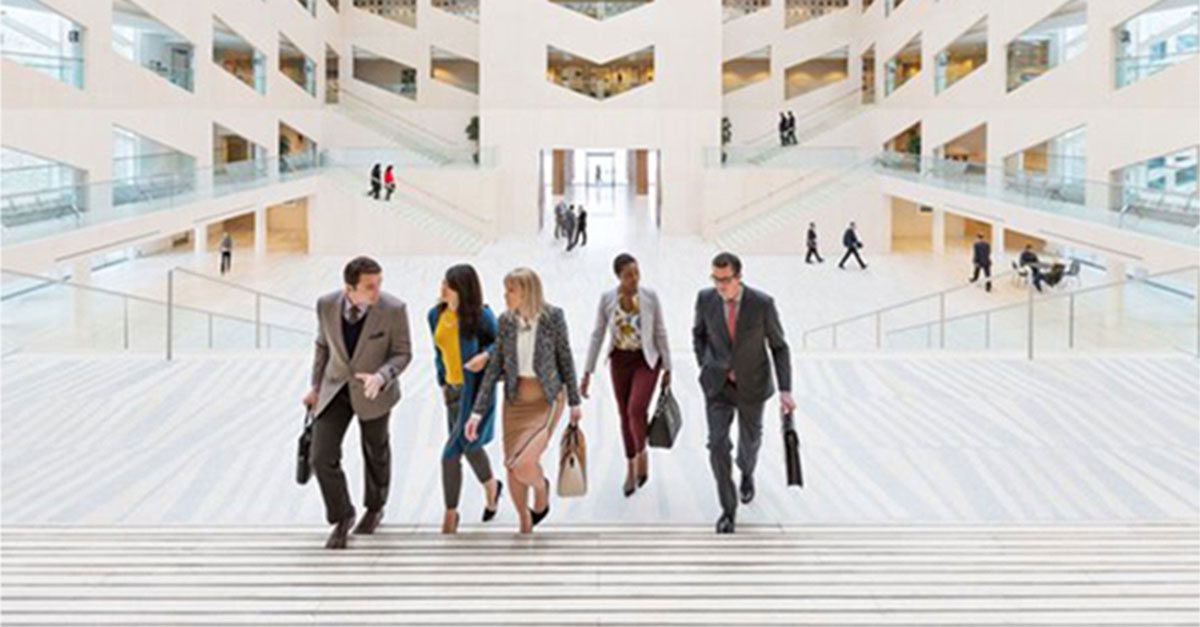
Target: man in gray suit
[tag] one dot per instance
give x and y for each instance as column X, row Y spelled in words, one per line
column 362, row 347
column 734, row 328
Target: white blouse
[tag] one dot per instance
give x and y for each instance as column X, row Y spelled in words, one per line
column 526, row 336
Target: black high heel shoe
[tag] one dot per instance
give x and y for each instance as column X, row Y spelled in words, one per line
column 537, row 517
column 489, row 514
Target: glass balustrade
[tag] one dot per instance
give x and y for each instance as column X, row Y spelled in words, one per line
column 45, row 315
column 1133, row 69
column 1160, row 213
column 106, row 201
column 601, row 9
column 66, row 69
column 1154, row 313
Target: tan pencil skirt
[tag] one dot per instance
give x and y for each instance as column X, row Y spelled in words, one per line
column 527, row 415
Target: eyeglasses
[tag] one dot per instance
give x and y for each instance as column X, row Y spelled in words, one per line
column 723, row 280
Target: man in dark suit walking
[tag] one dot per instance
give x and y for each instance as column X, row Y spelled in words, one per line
column 811, row 244
column 363, row 345
column 851, row 242
column 735, row 328
column 982, row 258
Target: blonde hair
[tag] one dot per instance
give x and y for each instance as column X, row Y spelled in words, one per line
column 532, row 302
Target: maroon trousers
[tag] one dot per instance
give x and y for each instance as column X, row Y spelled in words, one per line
column 633, row 383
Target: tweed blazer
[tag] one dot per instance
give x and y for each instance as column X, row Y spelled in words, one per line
column 384, row 348
column 552, row 359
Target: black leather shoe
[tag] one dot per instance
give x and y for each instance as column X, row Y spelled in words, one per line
column 337, row 537
column 537, row 517
column 489, row 514
column 747, row 489
column 370, row 521
column 725, row 523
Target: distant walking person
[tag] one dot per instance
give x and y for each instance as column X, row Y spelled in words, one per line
column 811, row 244
column 783, row 129
column 362, row 347
column 580, row 228
column 376, row 181
column 982, row 258
column 226, row 252
column 569, row 226
column 791, row 128
column 464, row 332
column 851, row 242
column 389, row 182
column 735, row 329
column 632, row 316
column 533, row 356
column 559, row 220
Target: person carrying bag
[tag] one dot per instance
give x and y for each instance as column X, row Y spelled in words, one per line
column 667, row 421
column 572, row 463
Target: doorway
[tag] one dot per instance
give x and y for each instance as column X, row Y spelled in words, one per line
column 618, row 187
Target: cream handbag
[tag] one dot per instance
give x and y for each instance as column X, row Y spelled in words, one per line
column 572, row 463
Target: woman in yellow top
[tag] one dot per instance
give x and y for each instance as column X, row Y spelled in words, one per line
column 464, row 331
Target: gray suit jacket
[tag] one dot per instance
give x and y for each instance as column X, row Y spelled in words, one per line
column 552, row 360
column 384, row 348
column 757, row 330
column 650, row 321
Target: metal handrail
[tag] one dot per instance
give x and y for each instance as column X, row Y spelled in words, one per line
column 827, row 180
column 343, row 91
column 772, row 135
column 238, row 286
column 1053, row 296
column 126, row 297
column 451, row 206
column 930, row 164
column 906, row 303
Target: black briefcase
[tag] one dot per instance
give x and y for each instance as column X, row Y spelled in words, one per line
column 664, row 426
column 791, row 452
column 304, row 450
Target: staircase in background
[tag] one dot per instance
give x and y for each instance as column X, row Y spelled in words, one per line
column 424, row 145
column 789, row 214
column 422, row 209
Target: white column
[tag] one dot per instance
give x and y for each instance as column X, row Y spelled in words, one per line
column 938, row 231
column 260, row 231
column 885, row 216
column 200, row 241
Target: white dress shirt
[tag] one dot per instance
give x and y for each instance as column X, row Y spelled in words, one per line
column 526, row 336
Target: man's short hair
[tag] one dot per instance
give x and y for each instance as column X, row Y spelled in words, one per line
column 728, row 260
column 358, row 267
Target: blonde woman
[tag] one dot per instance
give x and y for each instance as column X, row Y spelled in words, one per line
column 533, row 353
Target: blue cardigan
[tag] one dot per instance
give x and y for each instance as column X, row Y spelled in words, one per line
column 468, row 347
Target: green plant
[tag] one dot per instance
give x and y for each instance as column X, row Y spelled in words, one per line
column 914, row 144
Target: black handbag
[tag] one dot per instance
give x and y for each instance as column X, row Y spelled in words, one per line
column 664, row 426
column 791, row 452
column 304, row 450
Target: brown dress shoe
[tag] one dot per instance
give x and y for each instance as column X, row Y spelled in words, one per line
column 369, row 522
column 337, row 537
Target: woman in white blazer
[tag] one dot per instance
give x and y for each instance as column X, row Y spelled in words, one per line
column 632, row 316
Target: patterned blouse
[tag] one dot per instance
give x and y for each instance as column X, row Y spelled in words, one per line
column 627, row 329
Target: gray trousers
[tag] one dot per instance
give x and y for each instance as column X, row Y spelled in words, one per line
column 329, row 430
column 720, row 411
column 452, row 467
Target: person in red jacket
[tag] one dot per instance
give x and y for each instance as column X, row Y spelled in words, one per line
column 389, row 182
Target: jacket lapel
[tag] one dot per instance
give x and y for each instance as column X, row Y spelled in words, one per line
column 371, row 324
column 335, row 321
column 747, row 307
column 718, row 308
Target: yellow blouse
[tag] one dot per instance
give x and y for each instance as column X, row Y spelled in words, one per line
column 446, row 339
